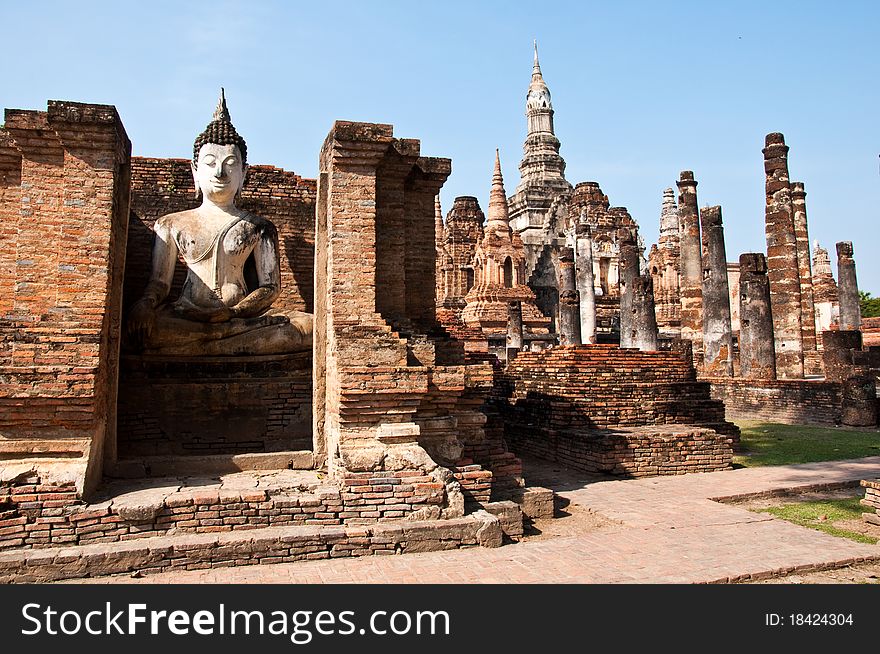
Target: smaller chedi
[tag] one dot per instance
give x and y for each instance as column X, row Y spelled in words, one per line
column 232, row 261
column 499, row 266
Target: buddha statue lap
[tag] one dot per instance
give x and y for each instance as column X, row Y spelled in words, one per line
column 218, row 313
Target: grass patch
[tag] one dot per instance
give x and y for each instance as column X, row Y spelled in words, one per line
column 770, row 444
column 810, row 514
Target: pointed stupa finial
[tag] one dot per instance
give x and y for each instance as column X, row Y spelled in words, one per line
column 221, row 112
column 499, row 217
column 536, row 69
column 438, row 222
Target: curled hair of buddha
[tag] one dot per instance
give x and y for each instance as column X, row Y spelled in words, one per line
column 220, row 131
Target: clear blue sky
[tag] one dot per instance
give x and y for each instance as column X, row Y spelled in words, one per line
column 641, row 90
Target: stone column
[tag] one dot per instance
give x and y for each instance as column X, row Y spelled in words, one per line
column 757, row 354
column 782, row 261
column 586, row 283
column 812, row 364
column 717, row 336
column 691, row 282
column 628, row 271
column 644, row 320
column 569, row 302
column 514, row 328
column 848, row 288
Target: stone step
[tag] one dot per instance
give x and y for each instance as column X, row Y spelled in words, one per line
column 214, row 464
column 257, row 546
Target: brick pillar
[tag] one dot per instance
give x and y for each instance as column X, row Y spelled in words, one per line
column 569, row 302
column 423, row 184
column 812, row 361
column 627, row 273
column 61, row 330
column 391, row 228
column 514, row 328
column 847, row 287
column 644, row 320
column 586, row 283
column 691, row 282
column 717, row 336
column 782, row 261
column 757, row 354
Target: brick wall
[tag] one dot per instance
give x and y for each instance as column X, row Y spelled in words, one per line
column 804, row 402
column 64, row 195
column 632, row 452
column 214, row 406
column 602, row 386
column 38, row 514
column 600, row 408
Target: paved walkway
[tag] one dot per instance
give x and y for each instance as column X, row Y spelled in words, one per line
column 667, row 530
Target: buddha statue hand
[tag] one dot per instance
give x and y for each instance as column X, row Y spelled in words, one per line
column 141, row 321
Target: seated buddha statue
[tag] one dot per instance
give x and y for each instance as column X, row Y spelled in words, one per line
column 223, row 308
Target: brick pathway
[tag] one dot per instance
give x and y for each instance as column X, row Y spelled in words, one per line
column 669, row 531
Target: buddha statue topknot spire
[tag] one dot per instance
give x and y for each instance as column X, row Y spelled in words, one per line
column 221, row 131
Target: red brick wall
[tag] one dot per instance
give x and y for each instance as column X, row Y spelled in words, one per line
column 249, row 404
column 65, row 183
column 792, row 402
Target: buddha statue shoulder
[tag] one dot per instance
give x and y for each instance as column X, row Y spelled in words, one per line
column 232, row 261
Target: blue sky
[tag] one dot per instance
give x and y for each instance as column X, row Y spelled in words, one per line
column 642, row 90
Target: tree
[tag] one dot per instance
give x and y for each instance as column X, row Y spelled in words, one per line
column 870, row 306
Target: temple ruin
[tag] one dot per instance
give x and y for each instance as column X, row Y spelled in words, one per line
column 198, row 347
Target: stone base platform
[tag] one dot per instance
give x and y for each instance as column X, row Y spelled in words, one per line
column 200, row 406
column 217, row 464
column 630, row 452
column 36, row 513
column 871, row 500
column 267, row 545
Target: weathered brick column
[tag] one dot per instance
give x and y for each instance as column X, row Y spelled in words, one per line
column 627, row 273
column 514, row 328
column 569, row 302
column 691, row 283
column 837, row 354
column 586, row 282
column 757, row 354
column 848, row 287
column 643, row 316
column 825, row 296
column 812, row 361
column 782, row 261
column 63, row 226
column 391, row 398
column 717, row 336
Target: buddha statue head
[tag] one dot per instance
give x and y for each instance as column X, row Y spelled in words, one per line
column 219, row 164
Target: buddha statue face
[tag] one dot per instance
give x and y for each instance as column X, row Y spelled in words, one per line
column 219, row 172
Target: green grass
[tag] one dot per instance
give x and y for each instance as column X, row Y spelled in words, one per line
column 770, row 444
column 809, row 514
